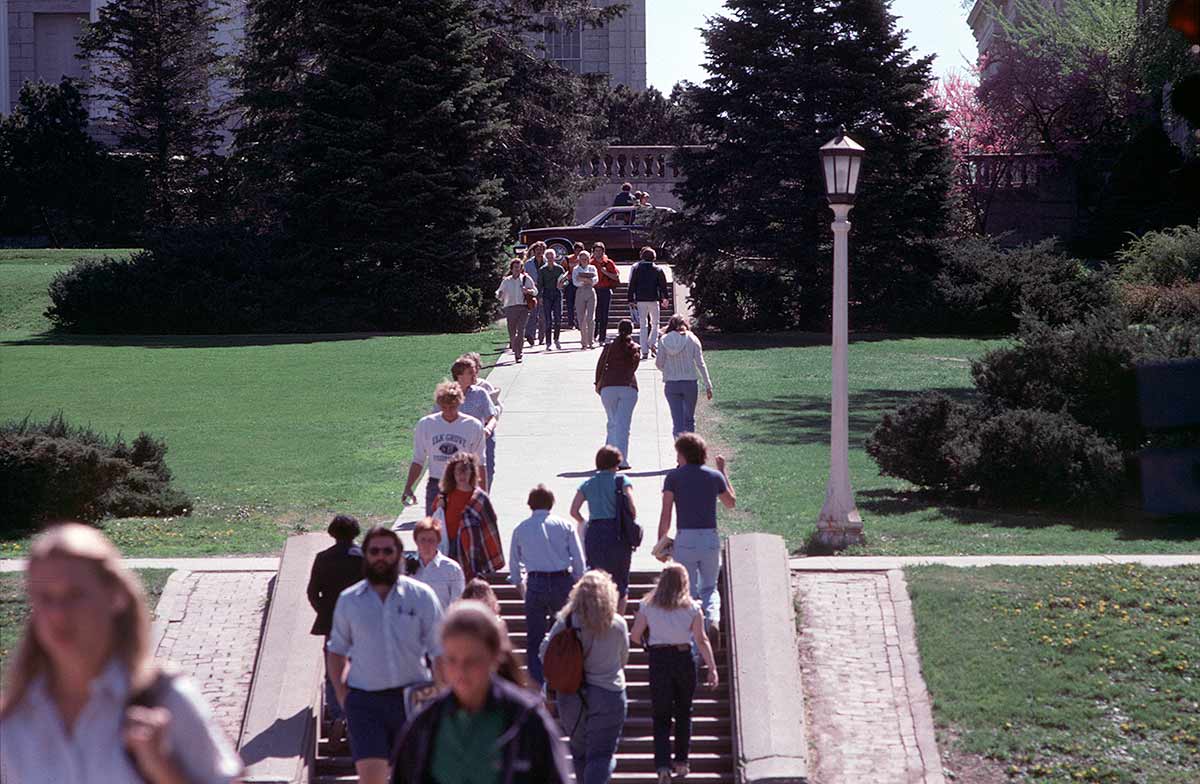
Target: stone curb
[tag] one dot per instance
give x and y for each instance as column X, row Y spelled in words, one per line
column 171, row 607
column 919, row 703
column 886, row 563
column 214, row 564
column 279, row 731
column 770, row 741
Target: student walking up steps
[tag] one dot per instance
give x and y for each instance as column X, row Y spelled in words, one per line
column 667, row 623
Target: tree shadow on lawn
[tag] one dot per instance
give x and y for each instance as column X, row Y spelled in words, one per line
column 749, row 341
column 1130, row 523
column 790, row 420
column 212, row 341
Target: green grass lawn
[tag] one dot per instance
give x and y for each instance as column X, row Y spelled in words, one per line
column 1049, row 674
column 14, row 611
column 771, row 408
column 270, row 434
column 24, row 276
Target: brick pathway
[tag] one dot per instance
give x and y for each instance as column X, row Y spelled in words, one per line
column 210, row 623
column 868, row 709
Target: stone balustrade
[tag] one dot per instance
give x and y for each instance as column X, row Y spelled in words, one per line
column 629, row 163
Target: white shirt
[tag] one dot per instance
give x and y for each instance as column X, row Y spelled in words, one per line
column 669, row 627
column 387, row 639
column 444, row 576
column 435, row 441
column 35, row 748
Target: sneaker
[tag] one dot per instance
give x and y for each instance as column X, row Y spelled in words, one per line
column 549, row 347
column 680, row 770
column 518, row 360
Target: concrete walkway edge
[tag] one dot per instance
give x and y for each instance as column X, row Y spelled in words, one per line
column 919, row 703
column 876, row 563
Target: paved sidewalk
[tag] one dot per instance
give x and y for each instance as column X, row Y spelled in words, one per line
column 208, row 624
column 215, row 564
column 869, row 716
column 552, row 425
column 886, row 563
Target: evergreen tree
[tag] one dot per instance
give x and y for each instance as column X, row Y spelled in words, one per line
column 153, row 63
column 368, row 128
column 754, row 238
column 636, row 117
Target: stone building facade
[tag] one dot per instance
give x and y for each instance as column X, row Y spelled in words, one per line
column 38, row 41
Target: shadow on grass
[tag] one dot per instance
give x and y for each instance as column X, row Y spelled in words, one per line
column 790, row 420
column 210, row 341
column 749, row 341
column 1130, row 523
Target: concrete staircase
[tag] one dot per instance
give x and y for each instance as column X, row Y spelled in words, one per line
column 620, row 300
column 712, row 758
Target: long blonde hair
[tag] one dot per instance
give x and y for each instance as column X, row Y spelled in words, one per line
column 671, row 592
column 593, row 601
column 131, row 635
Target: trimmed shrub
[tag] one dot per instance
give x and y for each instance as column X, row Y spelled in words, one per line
column 984, row 287
column 1162, row 258
column 911, row 443
column 220, row 280
column 1023, row 457
column 51, row 471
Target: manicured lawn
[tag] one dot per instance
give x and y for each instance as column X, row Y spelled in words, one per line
column 772, row 410
column 24, row 276
column 1086, row 674
column 270, row 434
column 14, row 611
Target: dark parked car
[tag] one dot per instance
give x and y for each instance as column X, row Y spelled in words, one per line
column 623, row 230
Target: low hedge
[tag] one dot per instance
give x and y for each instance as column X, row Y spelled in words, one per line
column 54, row 471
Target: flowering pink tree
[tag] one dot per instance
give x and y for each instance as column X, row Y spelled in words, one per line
column 975, row 131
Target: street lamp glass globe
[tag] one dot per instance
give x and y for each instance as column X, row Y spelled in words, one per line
column 841, row 158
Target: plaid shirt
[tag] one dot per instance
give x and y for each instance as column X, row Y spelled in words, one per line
column 478, row 547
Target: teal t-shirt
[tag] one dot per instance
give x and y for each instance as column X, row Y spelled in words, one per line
column 601, row 494
column 464, row 751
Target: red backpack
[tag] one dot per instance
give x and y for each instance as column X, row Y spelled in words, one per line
column 562, row 666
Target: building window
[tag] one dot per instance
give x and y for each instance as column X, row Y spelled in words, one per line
column 564, row 43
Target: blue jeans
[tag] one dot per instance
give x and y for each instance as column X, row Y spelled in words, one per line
column 569, row 294
column 551, row 315
column 603, row 301
column 619, row 403
column 545, row 595
column 699, row 550
column 490, row 449
column 595, row 733
column 432, row 488
column 681, row 399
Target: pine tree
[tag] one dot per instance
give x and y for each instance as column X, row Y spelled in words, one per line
column 153, row 63
column 367, row 130
column 755, row 237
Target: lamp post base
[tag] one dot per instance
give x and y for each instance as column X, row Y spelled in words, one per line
column 837, row 530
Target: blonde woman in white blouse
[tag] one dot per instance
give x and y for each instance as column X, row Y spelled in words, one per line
column 84, row 701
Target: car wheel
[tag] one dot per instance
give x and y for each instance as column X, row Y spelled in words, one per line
column 561, row 248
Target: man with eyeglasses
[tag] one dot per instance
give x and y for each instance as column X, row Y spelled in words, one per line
column 384, row 635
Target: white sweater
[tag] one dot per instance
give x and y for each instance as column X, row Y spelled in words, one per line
column 680, row 356
column 512, row 290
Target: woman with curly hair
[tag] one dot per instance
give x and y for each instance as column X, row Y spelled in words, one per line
column 595, row 716
column 472, row 535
